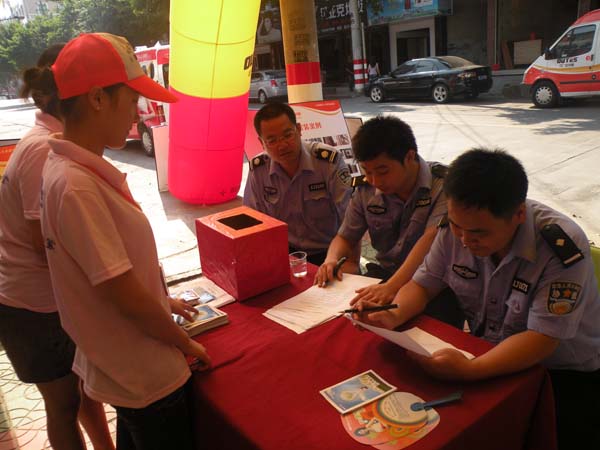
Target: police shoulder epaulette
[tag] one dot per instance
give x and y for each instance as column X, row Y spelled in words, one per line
column 561, row 244
column 258, row 160
column 359, row 181
column 439, row 170
column 325, row 154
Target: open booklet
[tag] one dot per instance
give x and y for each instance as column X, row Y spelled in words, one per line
column 202, row 290
column 206, row 317
column 415, row 339
column 357, row 391
column 317, row 305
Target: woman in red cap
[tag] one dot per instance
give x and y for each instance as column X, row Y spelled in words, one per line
column 30, row 331
column 102, row 254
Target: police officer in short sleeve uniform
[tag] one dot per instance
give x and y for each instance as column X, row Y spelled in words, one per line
column 305, row 184
column 400, row 202
column 524, row 277
column 395, row 225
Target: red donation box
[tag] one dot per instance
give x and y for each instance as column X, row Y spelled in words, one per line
column 243, row 251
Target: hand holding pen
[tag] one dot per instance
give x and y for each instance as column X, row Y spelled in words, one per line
column 384, row 316
column 329, row 271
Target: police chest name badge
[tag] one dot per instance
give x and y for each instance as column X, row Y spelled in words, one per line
column 423, row 202
column 562, row 297
column 316, row 187
column 520, row 285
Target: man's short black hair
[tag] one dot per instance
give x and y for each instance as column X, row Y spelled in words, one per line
column 383, row 135
column 272, row 111
column 487, row 179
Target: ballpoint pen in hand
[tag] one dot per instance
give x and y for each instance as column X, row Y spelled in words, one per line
column 338, row 265
column 336, row 269
column 370, row 309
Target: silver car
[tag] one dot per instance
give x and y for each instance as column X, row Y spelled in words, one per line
column 266, row 84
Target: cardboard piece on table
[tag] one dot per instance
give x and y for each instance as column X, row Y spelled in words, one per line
column 243, row 251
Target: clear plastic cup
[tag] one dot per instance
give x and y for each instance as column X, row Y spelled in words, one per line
column 298, row 264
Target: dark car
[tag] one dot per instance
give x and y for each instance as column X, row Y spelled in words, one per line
column 438, row 77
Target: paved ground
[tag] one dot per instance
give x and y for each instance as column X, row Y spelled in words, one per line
column 560, row 149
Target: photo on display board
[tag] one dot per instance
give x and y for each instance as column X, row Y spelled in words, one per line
column 269, row 24
column 324, row 121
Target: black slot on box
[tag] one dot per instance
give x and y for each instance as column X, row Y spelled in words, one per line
column 240, row 221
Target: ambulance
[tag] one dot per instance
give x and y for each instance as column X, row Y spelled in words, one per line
column 570, row 68
column 155, row 63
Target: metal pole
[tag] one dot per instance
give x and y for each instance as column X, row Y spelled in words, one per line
column 301, row 50
column 358, row 60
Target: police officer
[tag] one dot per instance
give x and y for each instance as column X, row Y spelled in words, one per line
column 525, row 279
column 400, row 202
column 305, row 184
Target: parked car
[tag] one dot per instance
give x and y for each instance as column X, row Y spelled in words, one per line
column 266, row 84
column 438, row 77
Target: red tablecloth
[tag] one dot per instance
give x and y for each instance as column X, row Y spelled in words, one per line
column 263, row 391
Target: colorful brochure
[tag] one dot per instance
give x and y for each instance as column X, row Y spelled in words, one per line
column 357, row 391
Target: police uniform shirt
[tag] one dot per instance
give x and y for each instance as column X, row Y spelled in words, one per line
column 394, row 225
column 312, row 203
column 530, row 289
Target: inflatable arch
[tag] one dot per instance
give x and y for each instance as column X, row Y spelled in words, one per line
column 212, row 43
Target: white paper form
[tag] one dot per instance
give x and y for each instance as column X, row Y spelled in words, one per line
column 317, row 305
column 415, row 339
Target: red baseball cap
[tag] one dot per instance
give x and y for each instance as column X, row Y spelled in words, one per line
column 102, row 59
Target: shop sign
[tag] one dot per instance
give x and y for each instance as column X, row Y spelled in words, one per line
column 334, row 15
column 386, row 11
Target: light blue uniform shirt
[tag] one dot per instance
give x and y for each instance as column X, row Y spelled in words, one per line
column 312, row 202
column 530, row 289
column 394, row 225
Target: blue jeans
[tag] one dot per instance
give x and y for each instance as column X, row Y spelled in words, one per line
column 164, row 424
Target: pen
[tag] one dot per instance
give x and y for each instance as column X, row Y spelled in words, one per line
column 371, row 309
column 338, row 265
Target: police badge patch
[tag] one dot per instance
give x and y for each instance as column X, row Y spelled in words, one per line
column 562, row 297
column 377, row 209
column 464, row 272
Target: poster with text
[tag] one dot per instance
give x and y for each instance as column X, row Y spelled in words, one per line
column 323, row 121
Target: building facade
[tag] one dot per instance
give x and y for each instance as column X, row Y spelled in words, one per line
column 505, row 34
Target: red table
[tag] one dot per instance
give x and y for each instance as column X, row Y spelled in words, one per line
column 263, row 391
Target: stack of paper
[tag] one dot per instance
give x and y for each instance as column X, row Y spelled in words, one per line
column 416, row 340
column 317, row 305
column 206, row 318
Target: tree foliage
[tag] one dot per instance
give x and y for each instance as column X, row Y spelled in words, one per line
column 142, row 22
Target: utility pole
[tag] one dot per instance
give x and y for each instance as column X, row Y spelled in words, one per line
column 358, row 61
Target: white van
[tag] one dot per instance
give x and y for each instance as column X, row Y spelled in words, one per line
column 155, row 63
column 570, row 67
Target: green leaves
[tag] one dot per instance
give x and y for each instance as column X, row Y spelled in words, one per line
column 142, row 22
